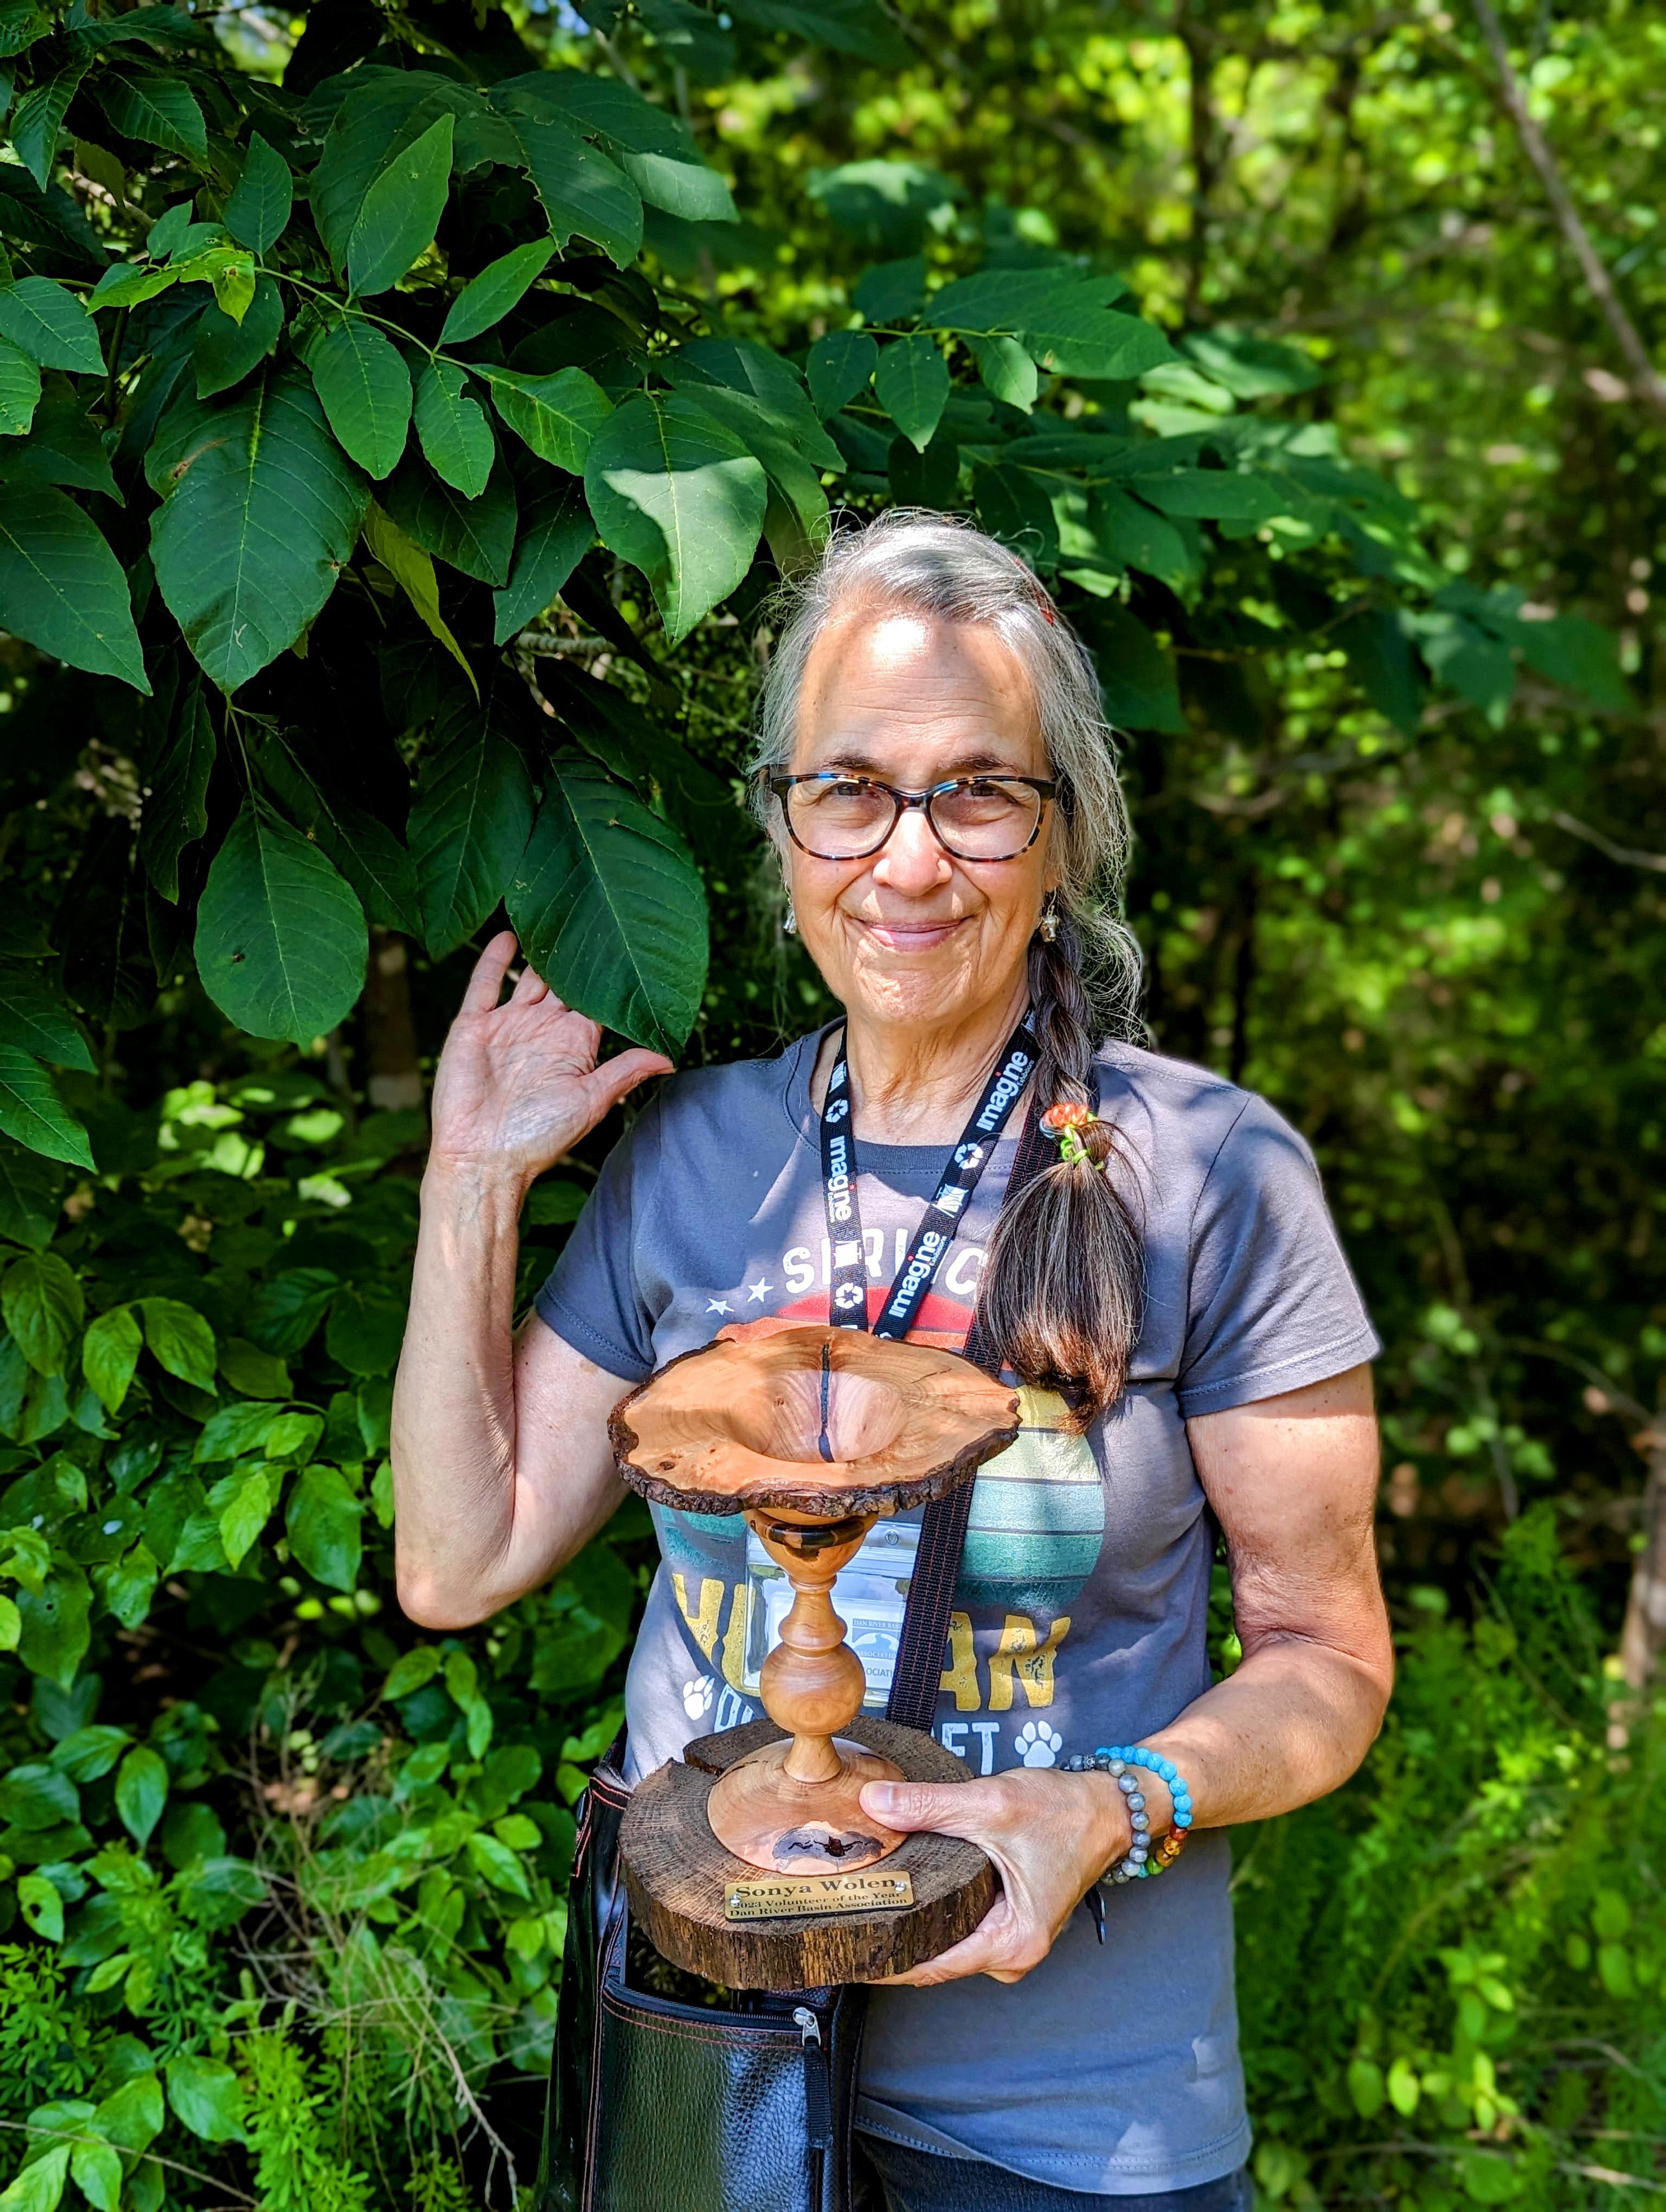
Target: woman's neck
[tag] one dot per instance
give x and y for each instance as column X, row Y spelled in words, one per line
column 913, row 1086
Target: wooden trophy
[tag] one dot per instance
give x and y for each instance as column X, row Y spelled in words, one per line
column 750, row 1860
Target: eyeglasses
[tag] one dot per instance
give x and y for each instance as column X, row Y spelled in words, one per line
column 833, row 815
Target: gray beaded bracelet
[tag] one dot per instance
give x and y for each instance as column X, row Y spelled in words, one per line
column 1122, row 1763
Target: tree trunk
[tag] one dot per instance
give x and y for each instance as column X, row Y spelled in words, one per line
column 394, row 1084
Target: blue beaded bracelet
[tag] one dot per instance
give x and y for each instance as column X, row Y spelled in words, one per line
column 1117, row 1762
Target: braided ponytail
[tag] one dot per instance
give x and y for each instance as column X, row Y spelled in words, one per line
column 1063, row 1281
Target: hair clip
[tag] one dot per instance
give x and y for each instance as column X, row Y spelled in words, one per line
column 1066, row 1122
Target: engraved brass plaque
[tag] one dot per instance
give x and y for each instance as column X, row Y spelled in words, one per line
column 780, row 1897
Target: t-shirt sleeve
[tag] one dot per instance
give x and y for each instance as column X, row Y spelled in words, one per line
column 1273, row 1304
column 592, row 1296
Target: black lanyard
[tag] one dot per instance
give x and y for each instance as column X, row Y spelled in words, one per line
column 848, row 1259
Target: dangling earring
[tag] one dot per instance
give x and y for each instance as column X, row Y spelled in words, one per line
column 790, row 921
column 1047, row 927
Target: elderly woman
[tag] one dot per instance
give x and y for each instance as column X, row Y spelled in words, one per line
column 940, row 784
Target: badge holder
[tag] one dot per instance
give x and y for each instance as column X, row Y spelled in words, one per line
column 750, row 1861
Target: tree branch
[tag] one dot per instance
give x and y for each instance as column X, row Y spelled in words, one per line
column 1629, row 855
column 1646, row 382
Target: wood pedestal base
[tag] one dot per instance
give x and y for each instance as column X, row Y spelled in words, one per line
column 675, row 1872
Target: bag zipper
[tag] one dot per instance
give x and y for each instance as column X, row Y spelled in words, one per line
column 817, row 2088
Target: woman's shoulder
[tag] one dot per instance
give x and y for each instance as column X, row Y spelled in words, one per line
column 1190, row 1112
column 742, row 1099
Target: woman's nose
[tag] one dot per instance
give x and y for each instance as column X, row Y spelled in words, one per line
column 911, row 859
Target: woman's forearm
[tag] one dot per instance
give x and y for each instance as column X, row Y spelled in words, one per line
column 1291, row 1723
column 453, row 1430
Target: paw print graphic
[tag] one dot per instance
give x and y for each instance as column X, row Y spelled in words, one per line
column 697, row 1694
column 1038, row 1745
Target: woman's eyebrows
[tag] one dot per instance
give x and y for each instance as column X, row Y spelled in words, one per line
column 854, row 759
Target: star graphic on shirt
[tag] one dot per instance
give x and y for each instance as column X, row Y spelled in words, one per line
column 756, row 1290
column 717, row 1305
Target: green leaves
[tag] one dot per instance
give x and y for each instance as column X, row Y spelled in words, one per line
column 475, row 535
column 364, row 388
column 838, row 368
column 281, row 941
column 175, row 804
column 322, row 1522
column 44, row 1306
column 468, row 829
column 556, row 533
column 62, row 588
column 678, row 495
column 50, row 325
column 557, row 415
column 33, row 1017
column 400, row 212
column 261, row 510
column 19, row 390
column 141, row 1792
column 157, row 110
column 32, row 1111
column 206, row 2097
column 179, row 1340
column 258, row 213
column 487, row 298
column 454, row 434
column 610, row 909
column 109, row 1355
column 580, row 188
column 912, row 380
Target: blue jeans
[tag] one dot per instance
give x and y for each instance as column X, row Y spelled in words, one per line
column 920, row 2181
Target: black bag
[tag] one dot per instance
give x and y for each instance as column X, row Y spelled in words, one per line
column 656, row 2106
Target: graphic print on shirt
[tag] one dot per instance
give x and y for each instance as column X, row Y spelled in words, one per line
column 1035, row 1529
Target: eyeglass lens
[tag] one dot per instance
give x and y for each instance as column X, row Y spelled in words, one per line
column 984, row 818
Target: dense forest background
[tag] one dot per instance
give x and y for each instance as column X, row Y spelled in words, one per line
column 282, row 1911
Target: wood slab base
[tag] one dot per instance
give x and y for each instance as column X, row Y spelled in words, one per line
column 675, row 1872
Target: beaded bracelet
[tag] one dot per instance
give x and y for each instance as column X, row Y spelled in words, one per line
column 1141, row 1859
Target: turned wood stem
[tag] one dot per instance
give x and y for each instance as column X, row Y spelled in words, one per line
column 811, row 1683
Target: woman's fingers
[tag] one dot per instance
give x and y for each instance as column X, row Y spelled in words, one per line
column 991, row 1948
column 490, row 969
column 948, row 1809
column 529, row 989
column 609, row 1082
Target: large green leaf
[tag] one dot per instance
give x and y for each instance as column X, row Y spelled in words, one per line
column 140, row 1791
column 1005, row 369
column 1013, row 300
column 40, row 117
column 35, row 1019
column 838, row 368
column 487, row 298
column 323, row 1525
column 361, row 844
column 261, row 511
column 179, row 1340
column 468, row 829
column 610, row 910
column 19, row 390
column 64, row 445
column 364, row 388
column 30, row 1193
column 1094, row 342
column 50, row 324
column 557, row 415
column 62, row 588
column 475, row 535
column 912, row 380
column 258, row 213
column 281, row 939
column 158, row 111
column 32, row 1111
column 453, row 430
column 110, row 1353
column 44, row 1306
column 556, row 533
column 207, row 2098
column 223, row 352
column 175, row 803
column 401, row 211
column 383, row 112
column 771, row 386
column 677, row 494
column 580, row 188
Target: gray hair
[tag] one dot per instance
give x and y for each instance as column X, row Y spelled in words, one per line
column 1062, row 1289
column 914, row 561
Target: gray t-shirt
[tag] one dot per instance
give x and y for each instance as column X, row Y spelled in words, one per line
column 1080, row 1614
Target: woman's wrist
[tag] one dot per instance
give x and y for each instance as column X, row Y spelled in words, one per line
column 476, row 1182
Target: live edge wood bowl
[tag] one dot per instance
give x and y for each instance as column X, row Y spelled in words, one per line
column 740, row 1423
column 812, row 1433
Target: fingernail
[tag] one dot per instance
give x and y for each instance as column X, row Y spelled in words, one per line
column 882, row 1797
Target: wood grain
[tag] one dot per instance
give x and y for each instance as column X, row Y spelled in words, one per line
column 742, row 1423
column 676, row 1871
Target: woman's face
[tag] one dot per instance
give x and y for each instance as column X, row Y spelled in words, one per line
column 908, row 935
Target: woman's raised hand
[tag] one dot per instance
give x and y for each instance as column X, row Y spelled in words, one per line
column 518, row 1085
